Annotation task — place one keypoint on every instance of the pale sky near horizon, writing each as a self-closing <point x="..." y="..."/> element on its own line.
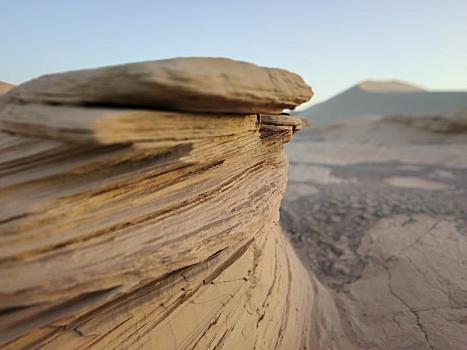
<point x="333" y="44"/>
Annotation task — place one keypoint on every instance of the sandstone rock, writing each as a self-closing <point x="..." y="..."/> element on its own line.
<point x="118" y="125"/>
<point x="188" y="84"/>
<point x="148" y="229"/>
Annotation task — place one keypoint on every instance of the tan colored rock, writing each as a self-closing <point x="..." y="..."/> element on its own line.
<point x="4" y="87"/>
<point x="160" y="232"/>
<point x="181" y="244"/>
<point x="282" y="120"/>
<point x="187" y="84"/>
<point x="117" y="125"/>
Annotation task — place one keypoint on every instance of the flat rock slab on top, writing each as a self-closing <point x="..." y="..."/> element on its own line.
<point x="187" y="84"/>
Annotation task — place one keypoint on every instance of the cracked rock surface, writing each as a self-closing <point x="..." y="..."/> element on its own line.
<point x="130" y="226"/>
<point x="380" y="218"/>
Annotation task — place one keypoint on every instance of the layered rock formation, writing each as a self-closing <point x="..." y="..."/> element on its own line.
<point x="127" y="223"/>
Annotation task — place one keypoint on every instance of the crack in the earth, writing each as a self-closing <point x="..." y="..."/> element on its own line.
<point x="414" y="312"/>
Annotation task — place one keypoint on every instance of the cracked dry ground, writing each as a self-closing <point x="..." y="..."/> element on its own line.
<point x="384" y="227"/>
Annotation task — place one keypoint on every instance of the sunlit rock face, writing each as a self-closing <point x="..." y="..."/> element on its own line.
<point x="140" y="208"/>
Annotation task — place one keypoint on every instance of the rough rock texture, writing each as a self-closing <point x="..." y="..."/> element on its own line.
<point x="159" y="233"/>
<point x="108" y="126"/>
<point x="188" y="84"/>
<point x="377" y="208"/>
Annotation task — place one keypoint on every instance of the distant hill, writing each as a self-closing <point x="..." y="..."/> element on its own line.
<point x="4" y="87"/>
<point x="383" y="98"/>
<point x="387" y="86"/>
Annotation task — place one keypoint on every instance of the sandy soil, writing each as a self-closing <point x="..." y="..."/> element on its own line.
<point x="377" y="209"/>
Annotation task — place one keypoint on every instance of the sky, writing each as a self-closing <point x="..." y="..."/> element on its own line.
<point x="332" y="44"/>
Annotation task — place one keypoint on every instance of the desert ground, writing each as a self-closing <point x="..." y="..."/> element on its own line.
<point x="377" y="209"/>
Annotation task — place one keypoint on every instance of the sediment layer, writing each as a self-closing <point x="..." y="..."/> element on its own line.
<point x="138" y="227"/>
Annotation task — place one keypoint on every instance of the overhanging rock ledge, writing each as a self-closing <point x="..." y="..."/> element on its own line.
<point x="140" y="208"/>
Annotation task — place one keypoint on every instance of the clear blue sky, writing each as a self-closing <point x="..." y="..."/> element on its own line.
<point x="332" y="43"/>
